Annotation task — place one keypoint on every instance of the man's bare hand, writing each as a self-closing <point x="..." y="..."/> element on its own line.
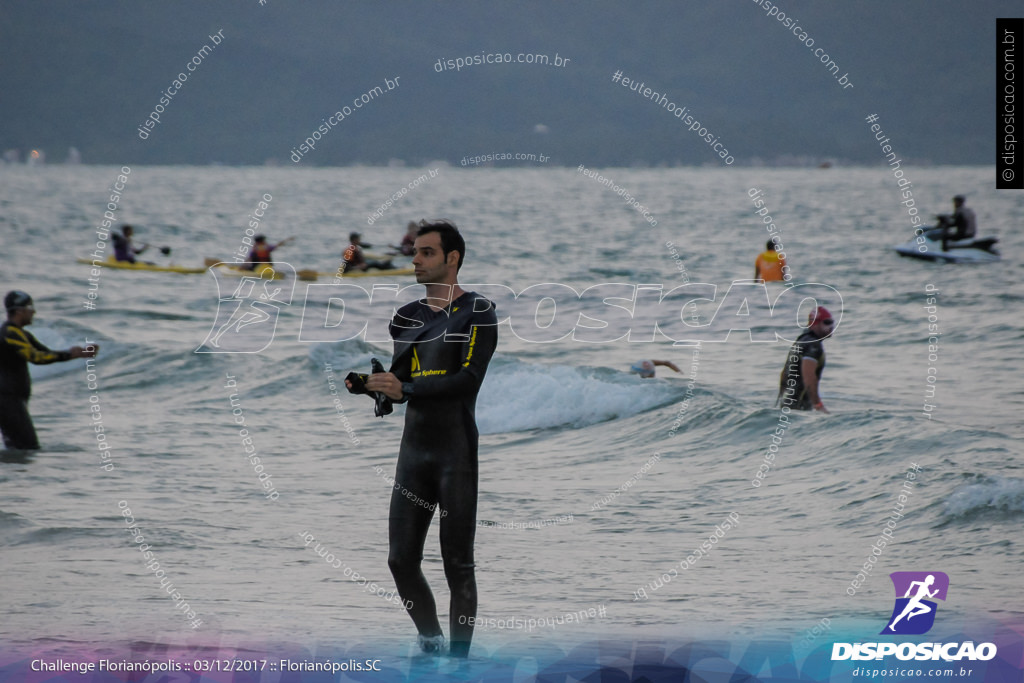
<point x="386" y="383"/>
<point x="88" y="352"/>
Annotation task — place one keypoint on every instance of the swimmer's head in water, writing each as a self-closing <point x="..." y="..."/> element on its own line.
<point x="644" y="368"/>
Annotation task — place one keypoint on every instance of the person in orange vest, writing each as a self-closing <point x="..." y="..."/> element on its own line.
<point x="260" y="252"/>
<point x="770" y="264"/>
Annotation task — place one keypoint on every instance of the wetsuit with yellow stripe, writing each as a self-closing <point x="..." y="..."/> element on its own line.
<point x="18" y="348"/>
<point x="440" y="358"/>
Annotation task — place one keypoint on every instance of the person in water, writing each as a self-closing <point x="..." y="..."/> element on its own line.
<point x="124" y="250"/>
<point x="959" y="225"/>
<point x="645" y="368"/>
<point x="409" y="239"/>
<point x="18" y="348"/>
<point x="443" y="344"/>
<point x="798" y="383"/>
<point x="770" y="265"/>
<point x="356" y="260"/>
<point x="261" y="250"/>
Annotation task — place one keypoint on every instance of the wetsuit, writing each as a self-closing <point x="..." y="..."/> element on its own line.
<point x="437" y="461"/>
<point x="792" y="392"/>
<point x="18" y="348"/>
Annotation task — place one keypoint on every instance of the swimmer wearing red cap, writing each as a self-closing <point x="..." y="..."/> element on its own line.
<point x="798" y="383"/>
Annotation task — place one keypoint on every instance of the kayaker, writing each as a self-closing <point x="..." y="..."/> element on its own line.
<point x="354" y="258"/>
<point x="124" y="250"/>
<point x="260" y="252"/>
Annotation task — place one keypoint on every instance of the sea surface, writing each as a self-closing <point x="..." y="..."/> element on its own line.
<point x="564" y="424"/>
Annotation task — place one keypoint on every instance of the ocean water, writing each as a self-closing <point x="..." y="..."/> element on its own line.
<point x="564" y="425"/>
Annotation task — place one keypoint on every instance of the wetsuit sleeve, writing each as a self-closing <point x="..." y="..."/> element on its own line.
<point x="475" y="355"/>
<point x="30" y="348"/>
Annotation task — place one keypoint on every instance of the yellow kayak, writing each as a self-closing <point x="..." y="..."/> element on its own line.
<point x="306" y="275"/>
<point x="264" y="270"/>
<point x="373" y="272"/>
<point x="111" y="262"/>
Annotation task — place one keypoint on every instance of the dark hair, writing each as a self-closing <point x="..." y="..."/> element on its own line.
<point x="771" y="246"/>
<point x="451" y="239"/>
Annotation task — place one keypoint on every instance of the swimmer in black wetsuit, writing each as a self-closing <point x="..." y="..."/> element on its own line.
<point x="18" y="348"/>
<point x="798" y="383"/>
<point x="442" y="347"/>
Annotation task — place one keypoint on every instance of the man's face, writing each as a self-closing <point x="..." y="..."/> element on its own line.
<point x="823" y="328"/>
<point x="428" y="259"/>
<point x="21" y="316"/>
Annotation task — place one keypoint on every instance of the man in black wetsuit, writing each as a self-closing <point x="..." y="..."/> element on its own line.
<point x="443" y="344"/>
<point x="18" y="348"/>
<point x="798" y="383"/>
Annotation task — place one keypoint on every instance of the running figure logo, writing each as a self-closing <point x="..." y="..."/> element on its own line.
<point x="914" y="613"/>
<point x="247" y="319"/>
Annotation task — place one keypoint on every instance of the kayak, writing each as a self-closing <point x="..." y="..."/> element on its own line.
<point x="372" y="272"/>
<point x="263" y="271"/>
<point x="138" y="265"/>
<point x="307" y="275"/>
<point x="971" y="250"/>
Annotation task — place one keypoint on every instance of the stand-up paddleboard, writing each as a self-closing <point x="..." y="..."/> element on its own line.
<point x="970" y="250"/>
<point x="138" y="265"/>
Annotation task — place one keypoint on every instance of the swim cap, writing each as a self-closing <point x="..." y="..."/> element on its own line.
<point x="644" y="368"/>
<point x="353" y="235"/>
<point x="17" y="299"/>
<point x="820" y="313"/>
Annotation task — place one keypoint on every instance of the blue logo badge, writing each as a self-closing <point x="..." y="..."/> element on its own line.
<point x="914" y="611"/>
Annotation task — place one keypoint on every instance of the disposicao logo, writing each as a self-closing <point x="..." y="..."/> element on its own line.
<point x="914" y="613"/>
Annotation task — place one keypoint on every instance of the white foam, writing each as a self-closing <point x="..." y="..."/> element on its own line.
<point x="1001" y="493"/>
<point x="519" y="396"/>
